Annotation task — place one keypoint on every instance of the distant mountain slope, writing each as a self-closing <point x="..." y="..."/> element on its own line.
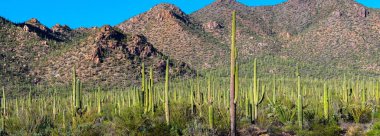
<point x="339" y="33"/>
<point x="32" y="53"/>
<point x="108" y="57"/>
<point x="173" y="32"/>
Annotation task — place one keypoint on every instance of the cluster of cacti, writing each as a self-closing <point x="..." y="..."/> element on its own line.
<point x="207" y="100"/>
<point x="78" y="108"/>
<point x="256" y="98"/>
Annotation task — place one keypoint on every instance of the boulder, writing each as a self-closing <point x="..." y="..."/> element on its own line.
<point x="363" y="12"/>
<point x="212" y="25"/>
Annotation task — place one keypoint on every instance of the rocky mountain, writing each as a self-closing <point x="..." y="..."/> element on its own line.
<point x="111" y="57"/>
<point x="174" y="33"/>
<point x="33" y="53"/>
<point x="339" y="33"/>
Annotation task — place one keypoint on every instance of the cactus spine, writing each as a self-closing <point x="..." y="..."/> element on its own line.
<point x="232" y="78"/>
<point x="167" y="111"/>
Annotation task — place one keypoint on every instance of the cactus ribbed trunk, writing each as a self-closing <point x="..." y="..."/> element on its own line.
<point x="74" y="84"/>
<point x="4" y="106"/>
<point x="167" y="111"/>
<point x="210" y="106"/>
<point x="299" y="100"/>
<point x="256" y="99"/>
<point x="232" y="78"/>
<point x="142" y="95"/>
<point x="98" y="97"/>
<point x="325" y="102"/>
<point x="151" y="90"/>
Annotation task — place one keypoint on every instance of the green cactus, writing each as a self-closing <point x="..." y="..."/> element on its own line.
<point x="3" y="106"/>
<point x="210" y="104"/>
<point x="74" y="84"/>
<point x="77" y="107"/>
<point x="325" y="102"/>
<point x="299" y="100"/>
<point x="192" y="99"/>
<point x="30" y="98"/>
<point x="54" y="104"/>
<point x="363" y="97"/>
<point x="142" y="95"/>
<point x="256" y="99"/>
<point x="98" y="98"/>
<point x="274" y="91"/>
<point x="232" y="78"/>
<point x="151" y="90"/>
<point x="167" y="111"/>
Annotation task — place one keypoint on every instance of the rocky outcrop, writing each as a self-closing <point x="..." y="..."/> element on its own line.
<point x="35" y="23"/>
<point x="363" y="12"/>
<point x="212" y="25"/>
<point x="61" y="29"/>
<point x="107" y="39"/>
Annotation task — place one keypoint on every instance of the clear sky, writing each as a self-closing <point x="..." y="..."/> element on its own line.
<point x="87" y="13"/>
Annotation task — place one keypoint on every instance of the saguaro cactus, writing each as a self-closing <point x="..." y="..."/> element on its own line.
<point x="77" y="98"/>
<point x="232" y="78"/>
<point x="98" y="97"/>
<point x="299" y="100"/>
<point x="210" y="104"/>
<point x="143" y="88"/>
<point x="256" y="99"/>
<point x="325" y="102"/>
<point x="363" y="97"/>
<point x="151" y="90"/>
<point x="167" y="111"/>
<point x="3" y="105"/>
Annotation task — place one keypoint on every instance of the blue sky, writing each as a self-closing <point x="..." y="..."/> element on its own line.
<point x="87" y="13"/>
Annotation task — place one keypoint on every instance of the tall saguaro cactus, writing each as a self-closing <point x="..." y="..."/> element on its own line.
<point x="143" y="88"/>
<point x="299" y="100"/>
<point x="3" y="105"/>
<point x="325" y="102"/>
<point x="256" y="99"/>
<point x="77" y="106"/>
<point x="167" y="111"/>
<point x="232" y="78"/>
<point x="210" y="106"/>
<point x="151" y="90"/>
